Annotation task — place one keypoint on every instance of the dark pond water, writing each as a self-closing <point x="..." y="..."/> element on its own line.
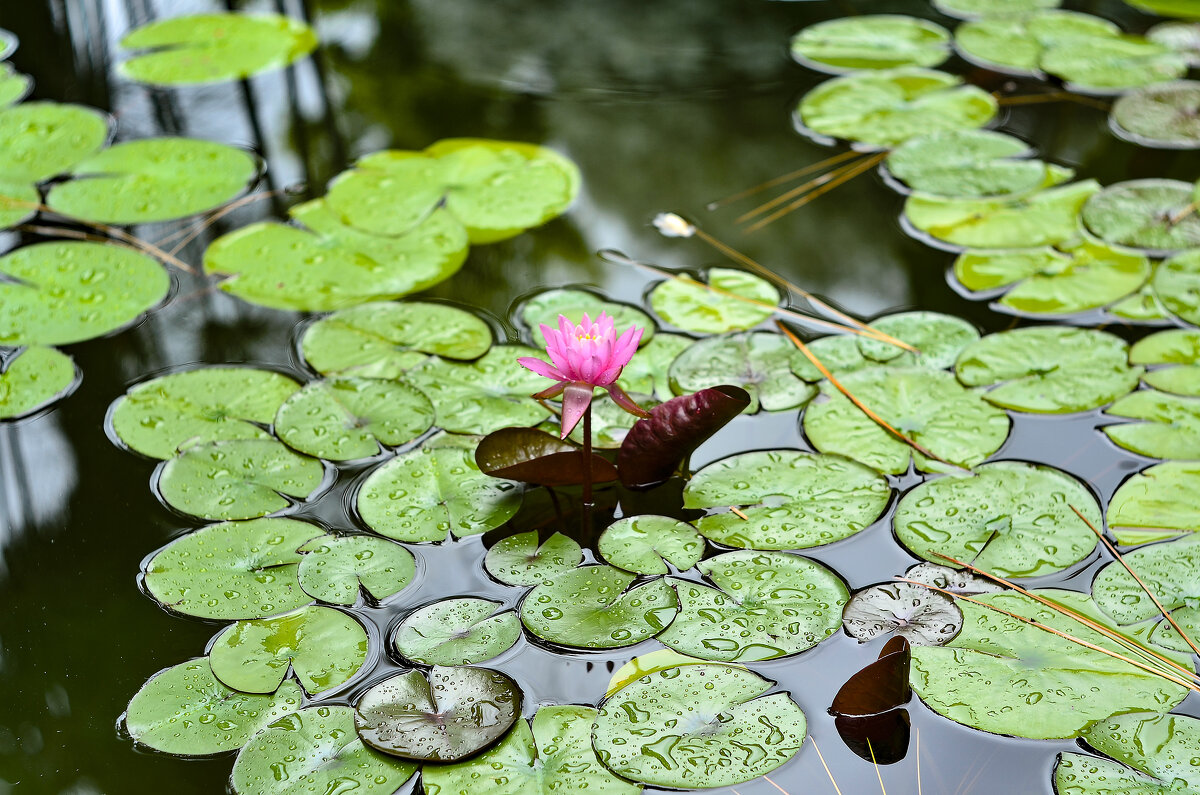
<point x="664" y="106"/>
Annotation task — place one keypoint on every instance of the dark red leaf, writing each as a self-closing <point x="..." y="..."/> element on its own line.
<point x="881" y="686"/>
<point x="533" y="456"/>
<point x="882" y="739"/>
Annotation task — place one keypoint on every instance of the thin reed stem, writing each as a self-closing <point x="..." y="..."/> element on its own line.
<point x="783" y="178"/>
<point x="1054" y="96"/>
<point x="859" y="167"/>
<point x="828" y="772"/>
<point x="800" y="190"/>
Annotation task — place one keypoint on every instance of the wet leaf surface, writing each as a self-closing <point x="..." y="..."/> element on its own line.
<point x="971" y="164"/>
<point x="646" y="373"/>
<point x="1154" y="754"/>
<point x="520" y="560"/>
<point x="1173" y="360"/>
<point x="337" y="569"/>
<point x="33" y="379"/>
<point x="645" y="544"/>
<point x="974" y="9"/>
<point x="688" y="306"/>
<point x="1176" y="283"/>
<point x="462" y="631"/>
<point x="39" y="140"/>
<point x="920" y="616"/>
<point x="1141" y="213"/>
<point x="1169" y="425"/>
<point x="1158" y="503"/>
<point x="759" y="362"/>
<point x="872" y="41"/>
<point x="533" y="456"/>
<point x="18" y="202"/>
<point x="484" y="396"/>
<point x="1016" y="44"/>
<point x="1171" y="571"/>
<point x="1164" y="115"/>
<point x="547" y="306"/>
<point x="14" y="86"/>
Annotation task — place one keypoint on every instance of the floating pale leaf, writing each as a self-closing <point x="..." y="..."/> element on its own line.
<point x="971" y="164"/>
<point x="1158" y="503"/>
<point x="519" y="560"/>
<point x="184" y="710"/>
<point x="1171" y="571"/>
<point x="1016" y="44"/>
<point x="688" y="306"/>
<point x="462" y="631"/>
<point x="645" y="544"/>
<point x="1179" y="351"/>
<point x="323" y="647"/>
<point x="954" y="580"/>
<point x="872" y="41"/>
<point x="1181" y="37"/>
<point x="14" y="86"/>
<point x="546" y="307"/>
<point x="790" y="499"/>
<point x="917" y="614"/>
<point x="1165" y="116"/>
<point x="33" y="379"/>
<point x="759" y="362"/>
<point x="1151" y="214"/>
<point x="1170" y="427"/>
<point x="1111" y="65"/>
<point x="8" y="43"/>
<point x="485" y="395"/>
<point x="1176" y="283"/>
<point x="1160" y="751"/>
<point x="337" y="569"/>
<point x="974" y="9"/>
<point x="766" y="605"/>
<point x="938" y="339"/>
<point x="39" y="140"/>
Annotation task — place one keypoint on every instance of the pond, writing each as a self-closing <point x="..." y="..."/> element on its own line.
<point x="625" y="111"/>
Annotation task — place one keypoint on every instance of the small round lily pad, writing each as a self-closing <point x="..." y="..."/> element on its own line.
<point x="645" y="544"/>
<point x="1162" y="115"/>
<point x="919" y="615"/>
<point x="39" y="140"/>
<point x="971" y="164"/>
<point x="461" y="631"/>
<point x="1159" y="503"/>
<point x="34" y="378"/>
<point x="759" y="362"/>
<point x="1169" y="427"/>
<point x="520" y="560"/>
<point x="1151" y="214"/>
<point x="338" y="569"/>
<point x="871" y="41"/>
<point x="686" y="305"/>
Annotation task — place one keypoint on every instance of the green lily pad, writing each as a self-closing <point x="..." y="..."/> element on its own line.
<point x="157" y="179"/>
<point x="1143" y="306"/>
<point x="212" y="48"/>
<point x="1008" y="518"/>
<point x="1158" y="503"/>
<point x="928" y="406"/>
<point x="8" y="43"/>
<point x="686" y="305"/>
<point x="1006" y="676"/>
<point x="1180" y="37"/>
<point x="1049" y="369"/>
<point x="1170" y="427"/>
<point x="1174" y="359"/>
<point x="919" y="615"/>
<point x="39" y="140"/>
<point x="520" y="560"/>
<point x="872" y="41"/>
<point x="208" y="404"/>
<point x="495" y="189"/>
<point x="670" y="727"/>
<point x="342" y="419"/>
<point x="443" y="716"/>
<point x="1111" y="65"/>
<point x="337" y="569"/>
<point x="1171" y="570"/>
<point x="1186" y="9"/>
<point x="457" y="632"/>
<point x="383" y="340"/>
<point x="232" y="570"/>
<point x="974" y="9"/>
<point x="938" y="339"/>
<point x="759" y="361"/>
<point x="1153" y="745"/>
<point x="1150" y="214"/>
<point x="238" y="479"/>
<point x="610" y="423"/>
<point x="886" y="108"/>
<point x="315" y="752"/>
<point x="1016" y="44"/>
<point x="547" y="306"/>
<point x="1176" y="283"/>
<point x="18" y="202"/>
<point x="971" y="164"/>
<point x="33" y="379"/>
<point x="646" y="544"/>
<point x="765" y="605"/>
<point x="791" y="499"/>
<point x="556" y="756"/>
<point x="1045" y="218"/>
<point x="184" y="710"/>
<point x="594" y="607"/>
<point x="1163" y="116"/>
<point x="432" y="492"/>
<point x="63" y="292"/>
<point x="14" y="86"/>
<point x="646" y="372"/>
<point x="486" y="395"/>
<point x="323" y="647"/>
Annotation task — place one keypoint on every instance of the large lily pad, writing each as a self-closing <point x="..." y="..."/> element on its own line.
<point x="338" y="569"/>
<point x="238" y="479"/>
<point x="759" y="362"/>
<point x="765" y="605"/>
<point x="886" y="108"/>
<point x="1150" y="214"/>
<point x="67" y="291"/>
<point x="462" y="631"/>
<point x="1174" y="360"/>
<point x="443" y="716"/>
<point x="938" y="339"/>
<point x="208" y="404"/>
<point x="495" y="189"/>
<point x="1164" y="115"/>
<point x="646" y="372"/>
<point x="971" y="164"/>
<point x="1045" y="218"/>
<point x="594" y="607"/>
<point x="1176" y="283"/>
<point x="1006" y="676"/>
<point x="486" y="395"/>
<point x="556" y="756"/>
<point x="1016" y="43"/>
<point x="383" y="340"/>
<point x="1158" y="503"/>
<point x="184" y="710"/>
<point x="315" y="752"/>
<point x="33" y="379"/>
<point x="1049" y="369"/>
<point x="545" y="308"/>
<point x="872" y="41"/>
<point x="1169" y="427"/>
<point x="342" y="419"/>
<point x="790" y="499"/>
<point x="324" y="648"/>
<point x="433" y="492"/>
<point x="210" y="48"/>
<point x="1171" y="571"/>
<point x="646" y="544"/>
<point x="156" y="179"/>
<point x="927" y="406"/>
<point x="1111" y="65"/>
<point x="1008" y="518"/>
<point x="39" y="140"/>
<point x="520" y="560"/>
<point x="921" y="616"/>
<point x="1159" y="750"/>
<point x="700" y="726"/>
<point x="233" y="570"/>
<point x="686" y="305"/>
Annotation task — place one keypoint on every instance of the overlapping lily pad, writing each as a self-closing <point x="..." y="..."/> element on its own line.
<point x="1170" y="571"/>
<point x="210" y="48"/>
<point x="14" y="86"/>
<point x="667" y="728"/>
<point x="1169" y="427"/>
<point x="646" y="373"/>
<point x="68" y="291"/>
<point x="338" y="569"/>
<point x="238" y="479"/>
<point x="520" y="560"/>
<point x="1111" y="65"/>
<point x="34" y="378"/>
<point x="315" y="752"/>
<point x="645" y="544"/>
<point x="547" y="306"/>
<point x="972" y="164"/>
<point x="873" y="41"/>
<point x="461" y="631"/>
<point x="1176" y="283"/>
<point x="1049" y="369"/>
<point x="324" y="648"/>
<point x="1155" y="754"/>
<point x="1158" y="503"/>
<point x="184" y="710"/>
<point x="688" y="306"/>
<point x="886" y="108"/>
<point x="937" y="338"/>
<point x="928" y="406"/>
<point x="490" y="393"/>
<point x="595" y="607"/>
<point x="1163" y="115"/>
<point x="790" y="499"/>
<point x="922" y="616"/>
<point x="1151" y="214"/>
<point x="1173" y="358"/>
<point x="1008" y="518"/>
<point x="766" y="605"/>
<point x="434" y="492"/>
<point x="158" y="417"/>
<point x="1006" y="676"/>
<point x="39" y="140"/>
<point x="759" y="362"/>
<point x="1016" y="43"/>
<point x="19" y="201"/>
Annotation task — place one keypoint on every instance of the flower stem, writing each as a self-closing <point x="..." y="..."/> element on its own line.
<point x="588" y="502"/>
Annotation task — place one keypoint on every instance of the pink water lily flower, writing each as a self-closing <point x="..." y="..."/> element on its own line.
<point x="585" y="356"/>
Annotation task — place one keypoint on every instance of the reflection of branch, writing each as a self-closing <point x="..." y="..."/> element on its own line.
<point x="1054" y="96"/>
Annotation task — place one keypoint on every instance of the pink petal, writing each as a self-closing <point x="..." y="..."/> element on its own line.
<point x="626" y="346"/>
<point x="551" y="392"/>
<point x="542" y="368"/>
<point x="576" y="400"/>
<point x="623" y="400"/>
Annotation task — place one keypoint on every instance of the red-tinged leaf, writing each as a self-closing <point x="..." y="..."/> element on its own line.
<point x="654" y="447"/>
<point x="881" y="686"/>
<point x="533" y="456"/>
